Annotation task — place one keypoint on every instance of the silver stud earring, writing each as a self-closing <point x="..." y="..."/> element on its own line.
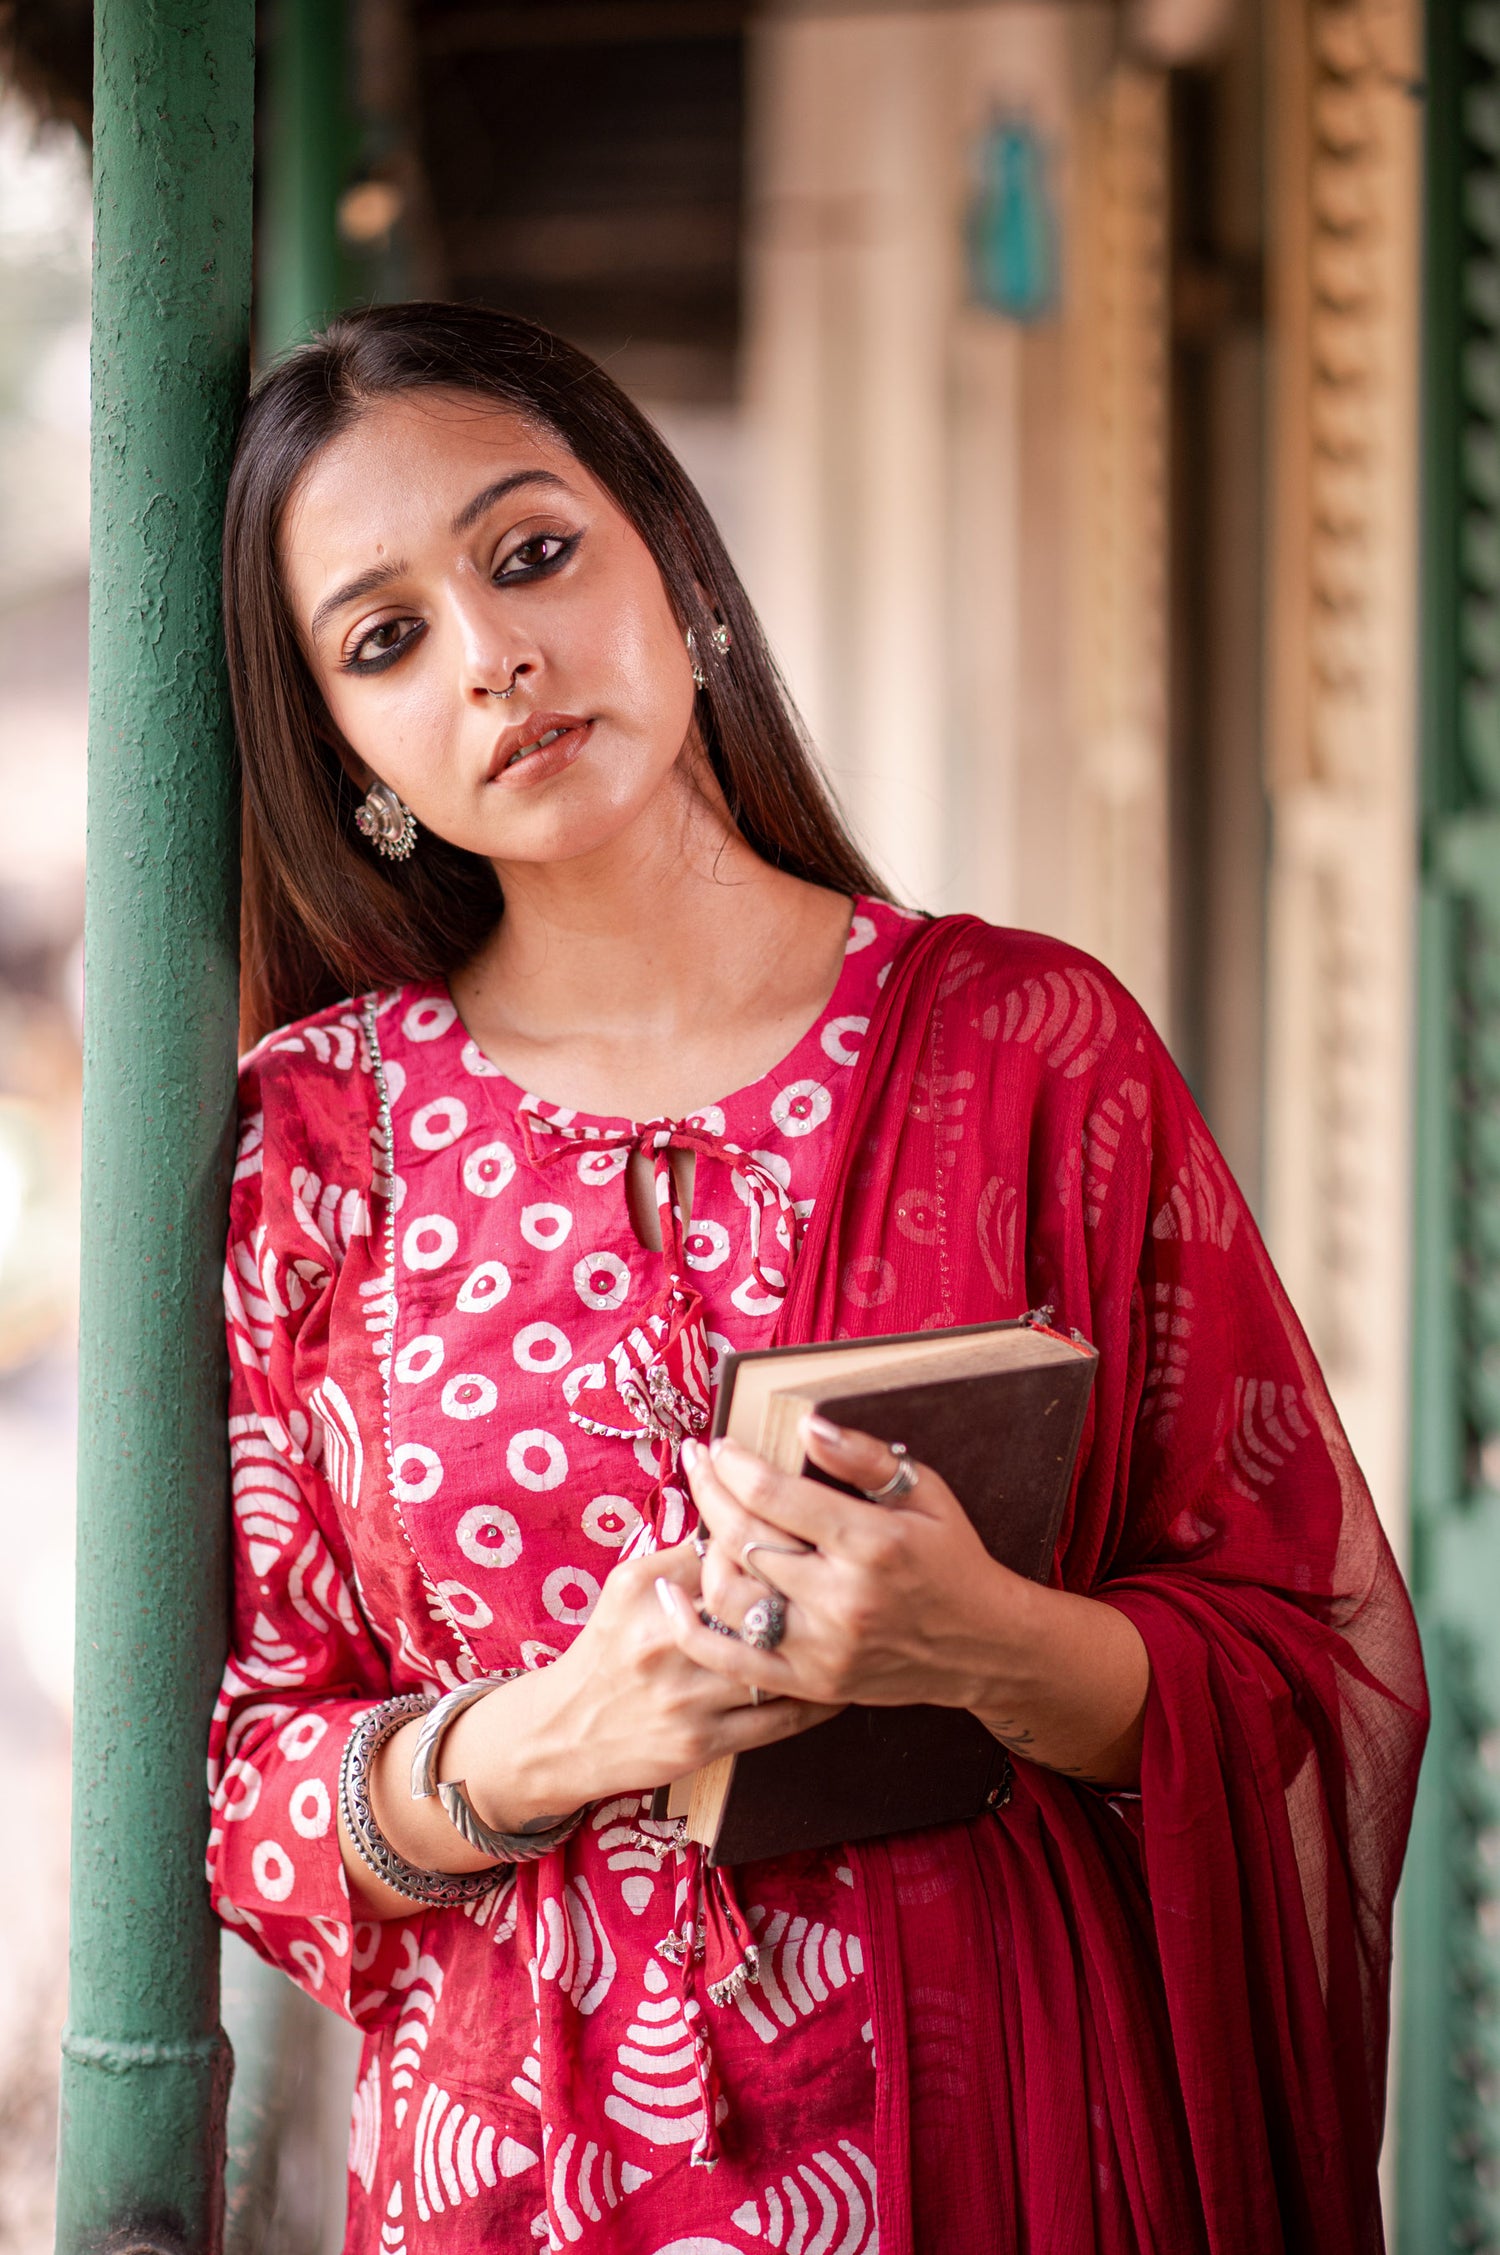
<point x="390" y="826"/>
<point x="720" y="641"/>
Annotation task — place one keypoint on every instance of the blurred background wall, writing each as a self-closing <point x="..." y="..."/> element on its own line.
<point x="1052" y="367"/>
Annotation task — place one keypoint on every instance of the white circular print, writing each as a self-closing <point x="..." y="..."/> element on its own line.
<point x="584" y="1377"/>
<point x="488" y="1536"/>
<point x="520" y="1460"/>
<point x="490" y="1169"/>
<point x="841" y="1038"/>
<point x="416" y="1472"/>
<point x="474" y="1060"/>
<point x="545" y="1225"/>
<point x="430" y="1240"/>
<point x="466" y="1605"/>
<point x="395" y="1080"/>
<point x="299" y="1738"/>
<point x="484" y="1287"/>
<point x="706" y="1244"/>
<point x="426" y="1021"/>
<point x="601" y="1280"/>
<point x="275" y="1873"/>
<point x="469" y="1395"/>
<point x="310" y="1958"/>
<point x="310" y="1809"/>
<point x="861" y="932"/>
<point x="239" y="1790"/>
<point x="541" y="1346"/>
<point x="420" y="1358"/>
<point x="611" y="1521"/>
<point x="775" y="1163"/>
<point x="535" y="1654"/>
<point x="598" y="1167"/>
<point x="570" y="1595"/>
<point x="800" y="1107"/>
<point x="710" y="1119"/>
<point x="438" y="1124"/>
<point x="335" y="1935"/>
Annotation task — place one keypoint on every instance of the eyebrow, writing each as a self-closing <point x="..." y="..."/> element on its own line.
<point x="475" y="509"/>
<point x="379" y="575"/>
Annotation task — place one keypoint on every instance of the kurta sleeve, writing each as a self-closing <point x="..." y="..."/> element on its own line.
<point x="303" y="1663"/>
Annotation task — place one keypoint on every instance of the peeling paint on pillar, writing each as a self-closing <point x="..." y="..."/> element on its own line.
<point x="145" y="2065"/>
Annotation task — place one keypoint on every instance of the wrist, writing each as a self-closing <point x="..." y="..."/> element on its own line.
<point x="1010" y="1640"/>
<point x="514" y="1758"/>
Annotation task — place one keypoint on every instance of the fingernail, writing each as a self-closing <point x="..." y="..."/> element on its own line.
<point x="690" y="1455"/>
<point x="664" y="1597"/>
<point x="832" y="1436"/>
<point x="717" y="1448"/>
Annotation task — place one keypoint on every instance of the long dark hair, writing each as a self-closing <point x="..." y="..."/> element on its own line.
<point x="323" y="917"/>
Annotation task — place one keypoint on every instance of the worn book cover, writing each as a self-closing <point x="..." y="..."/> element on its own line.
<point x="997" y="1411"/>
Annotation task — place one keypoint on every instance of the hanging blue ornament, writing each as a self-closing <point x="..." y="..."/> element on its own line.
<point x="1011" y="229"/>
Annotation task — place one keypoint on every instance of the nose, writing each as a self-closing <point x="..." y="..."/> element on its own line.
<point x="493" y="658"/>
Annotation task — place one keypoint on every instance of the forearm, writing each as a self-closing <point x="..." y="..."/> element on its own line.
<point x="1068" y="1688"/>
<point x="418" y="1830"/>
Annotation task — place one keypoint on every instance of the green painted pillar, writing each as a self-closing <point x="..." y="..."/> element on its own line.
<point x="144" y="2063"/>
<point x="1448" y="2154"/>
<point x="307" y="141"/>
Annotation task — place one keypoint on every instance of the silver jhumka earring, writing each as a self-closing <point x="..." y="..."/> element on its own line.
<point x="390" y="826"/>
<point x="720" y="641"/>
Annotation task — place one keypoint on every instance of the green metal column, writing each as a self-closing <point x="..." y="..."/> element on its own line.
<point x="1449" y="2147"/>
<point x="307" y="141"/>
<point x="144" y="2063"/>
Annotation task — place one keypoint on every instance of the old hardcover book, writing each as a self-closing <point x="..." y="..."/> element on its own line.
<point x="997" y="1409"/>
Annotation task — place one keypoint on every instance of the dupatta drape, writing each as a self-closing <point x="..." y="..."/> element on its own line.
<point x="1120" y="2025"/>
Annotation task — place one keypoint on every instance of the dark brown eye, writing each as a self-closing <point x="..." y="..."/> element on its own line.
<point x="535" y="557"/>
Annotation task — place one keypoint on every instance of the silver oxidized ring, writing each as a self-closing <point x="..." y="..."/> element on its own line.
<point x="764" y="1625"/>
<point x="781" y="1549"/>
<point x="902" y="1480"/>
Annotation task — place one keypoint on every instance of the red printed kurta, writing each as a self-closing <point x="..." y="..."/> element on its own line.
<point x="1082" y="2026"/>
<point x="443" y="1437"/>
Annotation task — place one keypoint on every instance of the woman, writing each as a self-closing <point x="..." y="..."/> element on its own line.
<point x="641" y="1066"/>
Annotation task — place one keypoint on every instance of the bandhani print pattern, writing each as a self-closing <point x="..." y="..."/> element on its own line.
<point x="461" y="1387"/>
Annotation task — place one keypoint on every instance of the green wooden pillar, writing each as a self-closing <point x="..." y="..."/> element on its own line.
<point x="307" y="138"/>
<point x="144" y="2063"/>
<point x="1449" y="2149"/>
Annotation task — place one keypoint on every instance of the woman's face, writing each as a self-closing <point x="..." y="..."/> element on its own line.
<point x="443" y="548"/>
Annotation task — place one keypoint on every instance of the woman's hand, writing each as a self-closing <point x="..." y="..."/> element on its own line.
<point x="625" y="1709"/>
<point x="891" y="1604"/>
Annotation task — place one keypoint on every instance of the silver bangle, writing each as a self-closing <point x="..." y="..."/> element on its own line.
<point x="526" y="1846"/>
<point x="443" y="1889"/>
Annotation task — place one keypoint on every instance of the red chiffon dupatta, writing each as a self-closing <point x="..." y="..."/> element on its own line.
<point x="1118" y="2024"/>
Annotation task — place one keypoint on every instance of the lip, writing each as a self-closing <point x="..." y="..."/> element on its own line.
<point x="569" y="735"/>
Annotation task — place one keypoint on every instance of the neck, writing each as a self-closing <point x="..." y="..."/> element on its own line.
<point x="643" y="942"/>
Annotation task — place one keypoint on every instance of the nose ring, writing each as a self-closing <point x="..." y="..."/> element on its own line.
<point x="510" y="692"/>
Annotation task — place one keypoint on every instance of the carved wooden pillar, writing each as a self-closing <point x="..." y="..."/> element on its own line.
<point x="1118" y="861"/>
<point x="1342" y="753"/>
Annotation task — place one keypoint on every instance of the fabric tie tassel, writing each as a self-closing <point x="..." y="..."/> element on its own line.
<point x="712" y="1947"/>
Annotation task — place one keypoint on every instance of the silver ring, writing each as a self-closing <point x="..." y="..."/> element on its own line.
<point x="764" y="1625"/>
<point x="901" y="1481"/>
<point x="782" y="1550"/>
<point x="510" y="692"/>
